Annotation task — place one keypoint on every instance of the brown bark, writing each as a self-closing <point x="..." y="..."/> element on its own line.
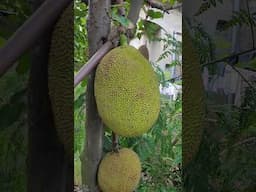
<point x="98" y="30"/>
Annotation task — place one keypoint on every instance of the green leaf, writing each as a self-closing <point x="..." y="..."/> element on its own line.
<point x="151" y="29"/>
<point x="79" y="101"/>
<point x="123" y="40"/>
<point x="155" y="14"/>
<point x="120" y="19"/>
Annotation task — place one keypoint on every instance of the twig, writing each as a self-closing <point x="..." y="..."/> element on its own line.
<point x="251" y="25"/>
<point x="225" y="59"/>
<point x="6" y="12"/>
<point x="163" y="7"/>
<point x="121" y="9"/>
<point x="238" y="144"/>
<point x="92" y="63"/>
<point x="27" y="35"/>
<point x="242" y="76"/>
<point x="115" y="146"/>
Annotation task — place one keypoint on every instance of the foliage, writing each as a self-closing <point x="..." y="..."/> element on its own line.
<point x="80" y="58"/>
<point x="206" y="5"/>
<point x="13" y="104"/>
<point x="80" y="35"/>
<point x="230" y="141"/>
<point x="160" y="148"/>
<point x="13" y="132"/>
<point x="204" y="44"/>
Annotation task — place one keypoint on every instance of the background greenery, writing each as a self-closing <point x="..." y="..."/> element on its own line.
<point x="160" y="148"/>
<point x="13" y="104"/>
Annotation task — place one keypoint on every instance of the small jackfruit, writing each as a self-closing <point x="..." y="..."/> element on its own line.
<point x="192" y="100"/>
<point x="119" y="171"/>
<point x="126" y="91"/>
<point x="60" y="78"/>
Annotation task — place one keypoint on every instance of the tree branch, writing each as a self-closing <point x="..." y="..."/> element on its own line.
<point x="162" y="6"/>
<point x="251" y="24"/>
<point x="92" y="63"/>
<point x="134" y="11"/>
<point x="243" y="77"/>
<point x="225" y="59"/>
<point x="115" y="146"/>
<point x="133" y="16"/>
<point x="27" y="35"/>
<point x="121" y="10"/>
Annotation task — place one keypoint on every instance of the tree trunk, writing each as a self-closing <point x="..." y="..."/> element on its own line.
<point x="98" y="30"/>
<point x="48" y="167"/>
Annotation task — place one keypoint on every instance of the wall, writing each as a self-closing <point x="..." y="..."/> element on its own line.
<point x="171" y="23"/>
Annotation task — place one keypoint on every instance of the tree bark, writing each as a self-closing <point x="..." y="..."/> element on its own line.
<point x="98" y="31"/>
<point x="49" y="170"/>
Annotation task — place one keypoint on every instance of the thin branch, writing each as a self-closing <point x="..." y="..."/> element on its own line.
<point x="225" y="59"/>
<point x="121" y="9"/>
<point x="115" y="145"/>
<point x="6" y="12"/>
<point x="247" y="140"/>
<point x="92" y="63"/>
<point x="251" y="24"/>
<point x="162" y="6"/>
<point x="27" y="35"/>
<point x="243" y="77"/>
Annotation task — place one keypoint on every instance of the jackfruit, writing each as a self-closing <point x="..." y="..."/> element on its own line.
<point x="192" y="100"/>
<point x="60" y="78"/>
<point x="126" y="92"/>
<point x="119" y="171"/>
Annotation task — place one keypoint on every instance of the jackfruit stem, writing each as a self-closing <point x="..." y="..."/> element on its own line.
<point x="123" y="40"/>
<point x="115" y="145"/>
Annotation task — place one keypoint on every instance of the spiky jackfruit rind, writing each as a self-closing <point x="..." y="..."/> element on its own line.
<point x="192" y="101"/>
<point x="127" y="92"/>
<point x="119" y="171"/>
<point x="60" y="78"/>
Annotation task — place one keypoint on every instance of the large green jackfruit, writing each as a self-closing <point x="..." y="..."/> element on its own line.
<point x="60" y="78"/>
<point x="119" y="171"/>
<point x="126" y="92"/>
<point x="192" y="100"/>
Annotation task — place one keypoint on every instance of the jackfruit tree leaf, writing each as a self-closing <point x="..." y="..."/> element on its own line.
<point x="154" y="14"/>
<point x="79" y="101"/>
<point x="120" y="19"/>
<point x="151" y="29"/>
